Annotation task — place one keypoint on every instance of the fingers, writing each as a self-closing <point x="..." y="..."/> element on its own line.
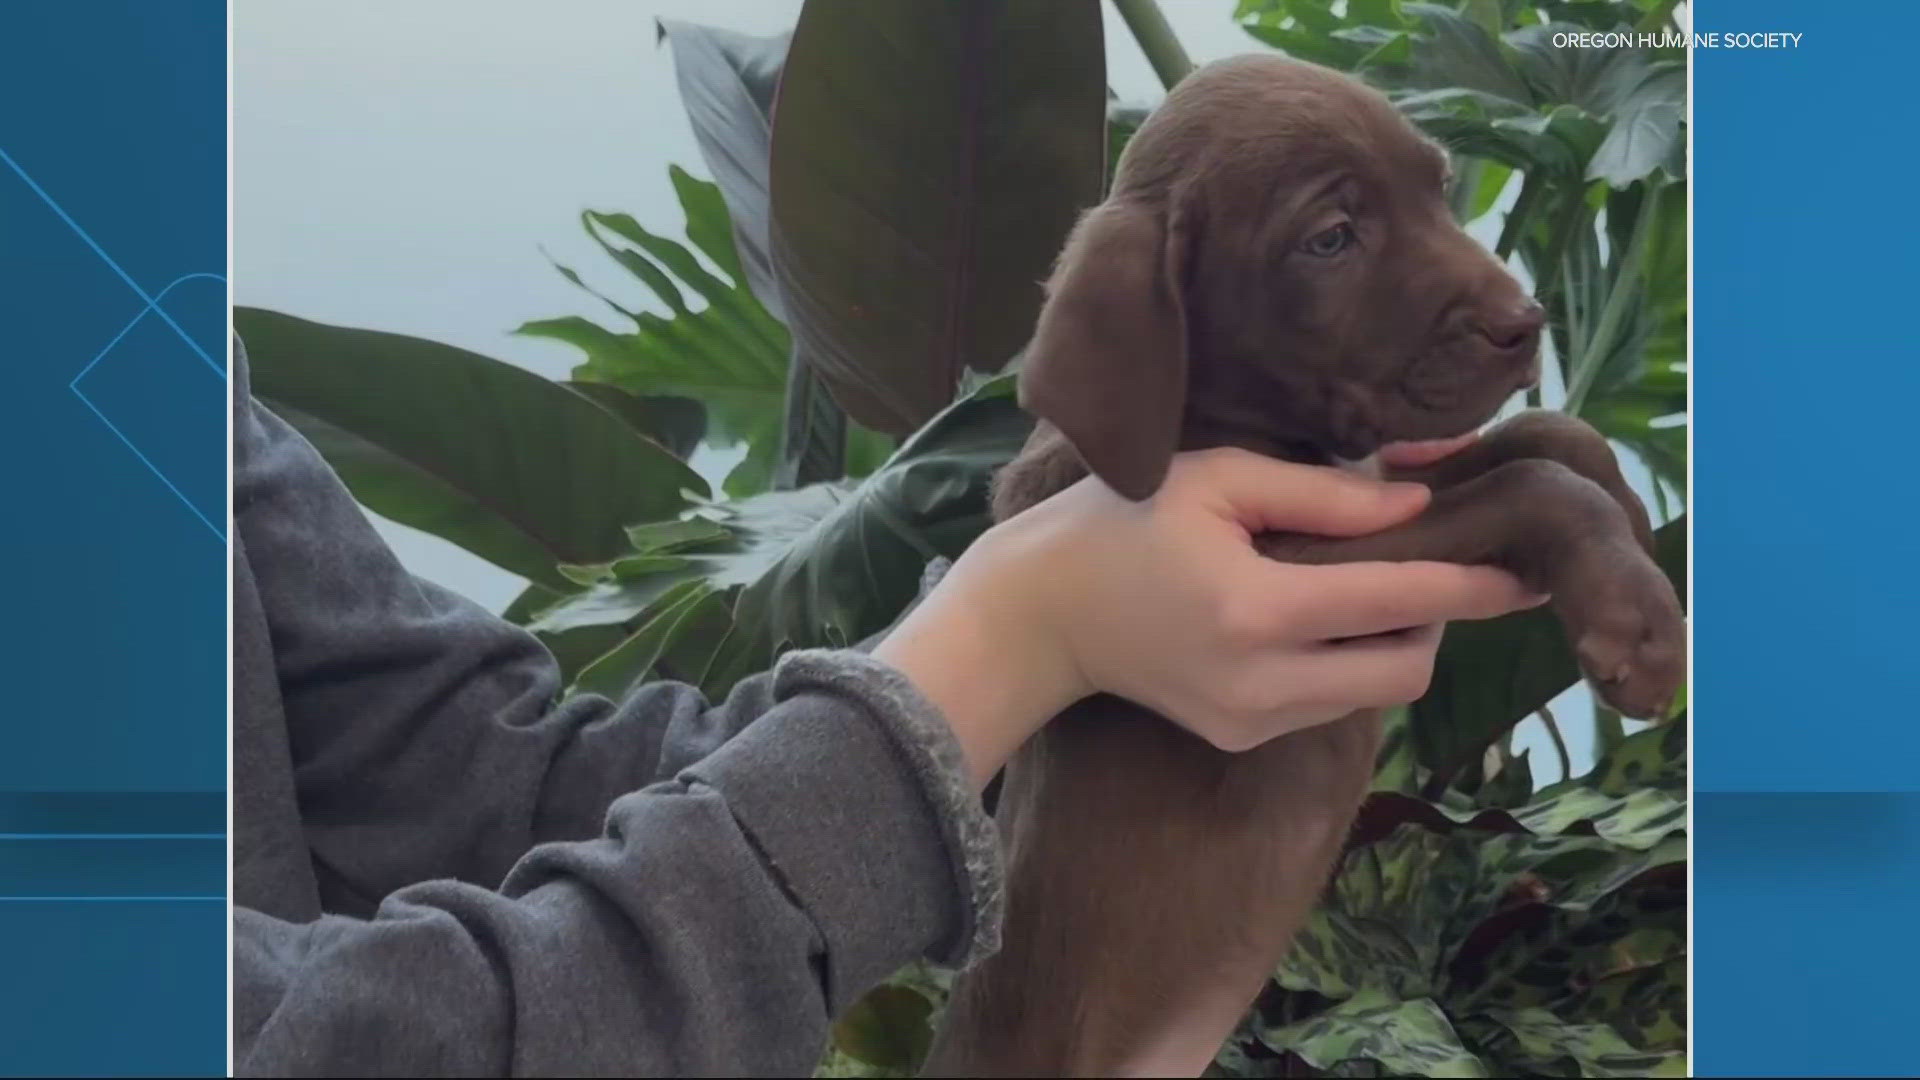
<point x="1345" y="600"/>
<point x="1292" y="691"/>
<point x="1373" y="673"/>
<point x="1266" y="495"/>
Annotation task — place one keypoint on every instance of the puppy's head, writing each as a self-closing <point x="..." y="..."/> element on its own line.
<point x="1277" y="268"/>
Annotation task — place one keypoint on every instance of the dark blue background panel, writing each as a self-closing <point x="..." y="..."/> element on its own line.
<point x="112" y="468"/>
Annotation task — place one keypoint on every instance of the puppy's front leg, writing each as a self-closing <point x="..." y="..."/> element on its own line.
<point x="1541" y="433"/>
<point x="1560" y="533"/>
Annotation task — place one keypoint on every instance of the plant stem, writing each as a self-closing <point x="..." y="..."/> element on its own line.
<point x="1559" y="742"/>
<point x="1608" y="731"/>
<point x="1572" y="216"/>
<point x="1516" y="223"/>
<point x="1626" y="281"/>
<point x="1156" y="38"/>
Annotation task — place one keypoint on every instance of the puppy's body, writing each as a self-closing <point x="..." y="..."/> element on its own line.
<point x="1275" y="269"/>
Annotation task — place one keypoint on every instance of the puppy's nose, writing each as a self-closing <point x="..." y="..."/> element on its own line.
<point x="1511" y="327"/>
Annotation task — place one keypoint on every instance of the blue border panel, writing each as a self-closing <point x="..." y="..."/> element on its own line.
<point x="112" y="464"/>
<point x="1807" y="812"/>
<point x="1806" y="397"/>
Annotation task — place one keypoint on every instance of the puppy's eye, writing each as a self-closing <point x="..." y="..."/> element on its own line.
<point x="1331" y="242"/>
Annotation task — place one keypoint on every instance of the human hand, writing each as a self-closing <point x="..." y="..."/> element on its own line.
<point x="1167" y="603"/>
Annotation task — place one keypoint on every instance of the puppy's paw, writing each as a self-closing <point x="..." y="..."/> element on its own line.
<point x="1628" y="632"/>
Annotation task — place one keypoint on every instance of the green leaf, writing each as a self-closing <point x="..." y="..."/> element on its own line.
<point x="676" y="423"/>
<point x="1645" y="129"/>
<point x="1456" y="51"/>
<point x="1565" y="922"/>
<point x="707" y="221"/>
<point x="731" y="354"/>
<point x="1510" y="786"/>
<point x="609" y="603"/>
<point x="1487" y="13"/>
<point x="662" y="537"/>
<point x="1406" y="1038"/>
<point x="517" y="469"/>
<point x="1490" y="675"/>
<point x="888" y="1028"/>
<point x="1401" y="905"/>
<point x="1397" y="768"/>
<point x="1645" y="1003"/>
<point x="573" y="650"/>
<point x="615" y="671"/>
<point x="1596" y="80"/>
<point x="1536" y="1042"/>
<point x="1593" y="14"/>
<point x="929" y="160"/>
<point x="830" y="564"/>
<point x="813" y="433"/>
<point x="1490" y="180"/>
<point x="727" y="83"/>
<point x="1382" y="924"/>
<point x="1651" y="758"/>
<point x="1375" y="13"/>
<point x="1637" y="819"/>
<point x="867" y="450"/>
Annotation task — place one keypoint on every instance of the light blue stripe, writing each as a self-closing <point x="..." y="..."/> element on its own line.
<point x="108" y="259"/>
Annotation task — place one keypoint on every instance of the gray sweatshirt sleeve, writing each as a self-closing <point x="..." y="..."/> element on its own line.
<point x="548" y="886"/>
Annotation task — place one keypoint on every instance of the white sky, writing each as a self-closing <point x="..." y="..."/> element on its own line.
<point x="399" y="166"/>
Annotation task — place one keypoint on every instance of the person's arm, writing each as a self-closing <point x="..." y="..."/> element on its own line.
<point x="718" y="920"/>
<point x="428" y="737"/>
<point x="713" y="930"/>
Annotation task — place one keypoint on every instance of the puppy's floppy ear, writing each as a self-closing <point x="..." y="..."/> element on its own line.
<point x="1108" y="361"/>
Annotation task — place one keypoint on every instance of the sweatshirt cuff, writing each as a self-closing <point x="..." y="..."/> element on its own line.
<point x="873" y="826"/>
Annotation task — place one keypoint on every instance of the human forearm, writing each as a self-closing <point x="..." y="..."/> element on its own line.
<point x="723" y="917"/>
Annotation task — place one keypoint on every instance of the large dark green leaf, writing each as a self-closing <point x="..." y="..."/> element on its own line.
<point x="1491" y="675"/>
<point x="929" y="159"/>
<point x="515" y="468"/>
<point x="677" y="423"/>
<point x="727" y="83"/>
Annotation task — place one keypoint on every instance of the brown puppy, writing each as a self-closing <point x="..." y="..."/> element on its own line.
<point x="1276" y="268"/>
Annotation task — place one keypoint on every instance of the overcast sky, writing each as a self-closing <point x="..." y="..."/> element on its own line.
<point x="400" y="166"/>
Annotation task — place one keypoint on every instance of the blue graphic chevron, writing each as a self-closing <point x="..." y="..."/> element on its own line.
<point x="152" y="307"/>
